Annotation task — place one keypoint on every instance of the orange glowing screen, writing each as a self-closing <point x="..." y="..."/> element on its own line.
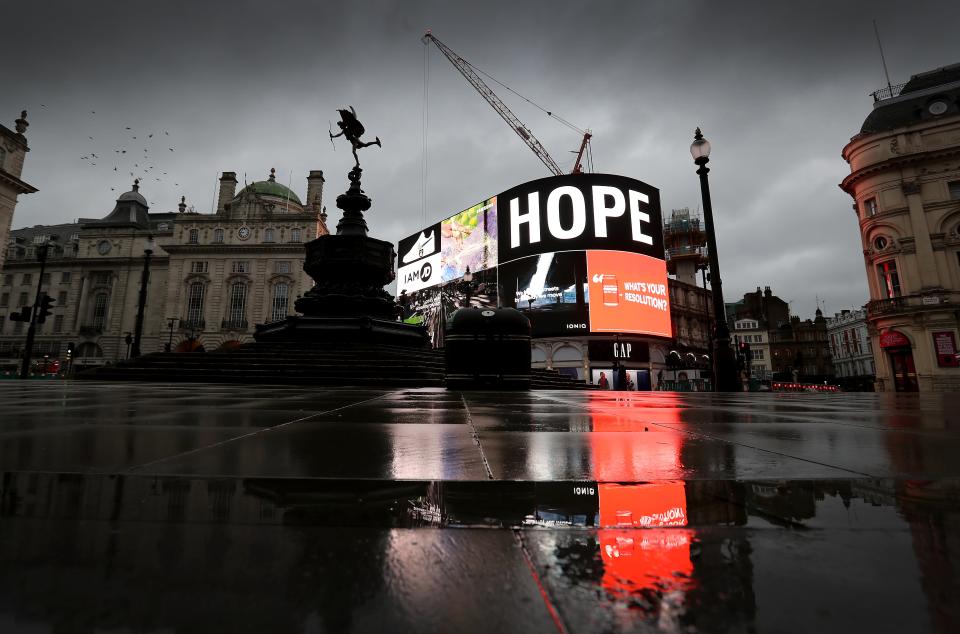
<point x="628" y="293"/>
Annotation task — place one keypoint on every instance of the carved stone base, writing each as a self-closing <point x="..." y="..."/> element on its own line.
<point x="350" y="272"/>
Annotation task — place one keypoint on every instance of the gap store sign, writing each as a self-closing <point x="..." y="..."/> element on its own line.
<point x="578" y="254"/>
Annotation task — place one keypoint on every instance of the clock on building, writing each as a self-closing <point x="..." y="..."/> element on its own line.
<point x="937" y="107"/>
<point x="243" y="233"/>
<point x="103" y="247"/>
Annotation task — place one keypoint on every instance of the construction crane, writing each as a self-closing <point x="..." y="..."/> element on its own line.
<point x="467" y="70"/>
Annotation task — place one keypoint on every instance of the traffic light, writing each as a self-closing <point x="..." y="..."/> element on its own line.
<point x="23" y="315"/>
<point x="46" y="308"/>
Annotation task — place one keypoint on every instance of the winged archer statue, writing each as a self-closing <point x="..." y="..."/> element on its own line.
<point x="352" y="130"/>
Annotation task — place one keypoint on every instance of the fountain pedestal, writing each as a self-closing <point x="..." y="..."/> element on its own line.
<point x="348" y="301"/>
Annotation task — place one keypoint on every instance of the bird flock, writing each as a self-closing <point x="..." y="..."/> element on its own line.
<point x="142" y="154"/>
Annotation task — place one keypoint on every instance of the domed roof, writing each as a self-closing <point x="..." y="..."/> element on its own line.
<point x="271" y="187"/>
<point x="915" y="102"/>
<point x="134" y="194"/>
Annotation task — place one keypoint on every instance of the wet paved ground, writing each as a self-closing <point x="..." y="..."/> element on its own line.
<point x="189" y="508"/>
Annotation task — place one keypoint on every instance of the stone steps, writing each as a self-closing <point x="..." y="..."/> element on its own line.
<point x="363" y="365"/>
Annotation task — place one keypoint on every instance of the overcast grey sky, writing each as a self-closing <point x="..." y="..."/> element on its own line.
<point x="246" y="86"/>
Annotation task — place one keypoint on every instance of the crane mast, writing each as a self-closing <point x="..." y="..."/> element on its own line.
<point x="485" y="91"/>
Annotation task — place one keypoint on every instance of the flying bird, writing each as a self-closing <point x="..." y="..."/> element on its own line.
<point x="91" y="138"/>
<point x="127" y="128"/>
<point x="167" y="133"/>
<point x="149" y="136"/>
<point x="171" y="149"/>
<point x="93" y="112"/>
<point x="114" y="169"/>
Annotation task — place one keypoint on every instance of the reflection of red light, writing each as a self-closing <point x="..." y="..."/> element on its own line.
<point x="634" y="560"/>
<point x="640" y="438"/>
<point x="643" y="505"/>
<point x="633" y="442"/>
<point x="644" y="557"/>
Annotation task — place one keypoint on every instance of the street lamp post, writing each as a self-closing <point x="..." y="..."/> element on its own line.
<point x="42" y="252"/>
<point x="141" y="304"/>
<point x="724" y="365"/>
<point x="171" y="321"/>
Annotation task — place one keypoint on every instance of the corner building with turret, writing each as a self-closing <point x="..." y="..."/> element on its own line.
<point x="905" y="183"/>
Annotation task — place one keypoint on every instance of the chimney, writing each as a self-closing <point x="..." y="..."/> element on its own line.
<point x="767" y="292"/>
<point x="228" y="189"/>
<point x="314" y="202"/>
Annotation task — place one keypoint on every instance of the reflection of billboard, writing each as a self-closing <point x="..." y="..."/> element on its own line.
<point x="469" y="239"/>
<point x="628" y="293"/>
<point x="578" y="254"/>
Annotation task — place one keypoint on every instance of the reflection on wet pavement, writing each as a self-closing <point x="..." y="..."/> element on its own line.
<point x="221" y="508"/>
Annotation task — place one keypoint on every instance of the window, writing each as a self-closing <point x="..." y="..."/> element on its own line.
<point x="57" y="324"/>
<point x="268" y="235"/>
<point x="954" y="188"/>
<point x="23" y="300"/>
<point x="3" y="320"/>
<point x="31" y="253"/>
<point x="45" y="279"/>
<point x="100" y="311"/>
<point x="162" y="226"/>
<point x="101" y="277"/>
<point x="65" y="278"/>
<point x="241" y="266"/>
<point x="198" y="266"/>
<point x="195" y="303"/>
<point x="17" y="327"/>
<point x="27" y="279"/>
<point x="4" y="300"/>
<point x="294" y="235"/>
<point x="870" y="207"/>
<point x="74" y="236"/>
<point x="880" y="243"/>
<point x="888" y="279"/>
<point x="757" y="355"/>
<point x="40" y="238"/>
<point x="218" y="236"/>
<point x="283" y="267"/>
<point x="194" y="236"/>
<point x="8" y="279"/>
<point x="238" y="302"/>
<point x="62" y="298"/>
<point x="279" y="308"/>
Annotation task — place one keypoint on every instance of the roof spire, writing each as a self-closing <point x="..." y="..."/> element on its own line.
<point x="273" y="175"/>
<point x="21" y="123"/>
<point x="183" y="204"/>
<point x="136" y="184"/>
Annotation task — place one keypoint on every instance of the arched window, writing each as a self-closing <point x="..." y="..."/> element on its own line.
<point x="238" y="304"/>
<point x="268" y="235"/>
<point x="889" y="279"/>
<point x="217" y="236"/>
<point x="278" y="310"/>
<point x="194" y="236"/>
<point x="100" y="302"/>
<point x="195" y="305"/>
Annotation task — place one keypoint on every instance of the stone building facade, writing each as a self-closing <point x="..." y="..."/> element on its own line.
<point x="794" y="349"/>
<point x="905" y="182"/>
<point x="851" y="350"/>
<point x="757" y="339"/>
<point x="13" y="152"/>
<point x="213" y="277"/>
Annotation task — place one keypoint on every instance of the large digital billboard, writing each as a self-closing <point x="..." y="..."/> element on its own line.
<point x="579" y="254"/>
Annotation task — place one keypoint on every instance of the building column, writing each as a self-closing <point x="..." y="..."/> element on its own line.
<point x="926" y="264"/>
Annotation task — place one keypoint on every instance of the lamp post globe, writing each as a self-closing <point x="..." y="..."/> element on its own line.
<point x="725" y="377"/>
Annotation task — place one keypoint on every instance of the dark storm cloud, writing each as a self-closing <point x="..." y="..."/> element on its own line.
<point x="247" y="86"/>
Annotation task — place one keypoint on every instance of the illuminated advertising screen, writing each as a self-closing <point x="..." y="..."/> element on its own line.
<point x="578" y="254"/>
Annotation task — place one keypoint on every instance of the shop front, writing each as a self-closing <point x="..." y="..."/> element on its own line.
<point x="899" y="353"/>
